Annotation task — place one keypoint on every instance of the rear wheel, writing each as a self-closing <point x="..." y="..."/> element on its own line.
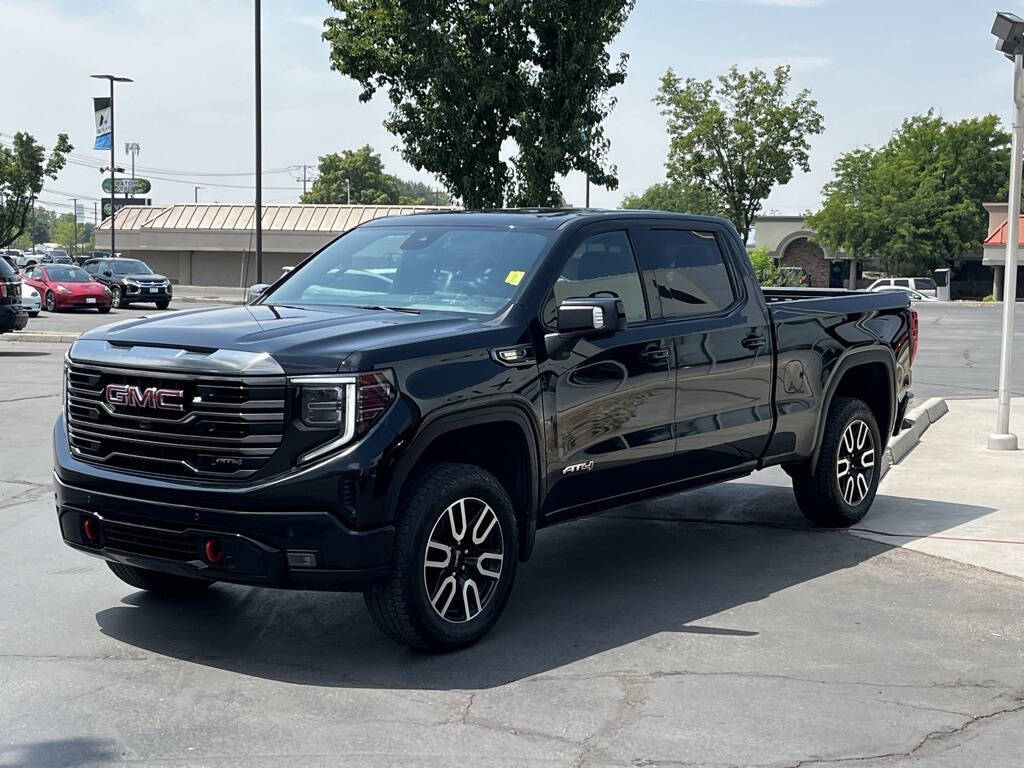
<point x="455" y="557"/>
<point x="843" y="485"/>
<point x="158" y="583"/>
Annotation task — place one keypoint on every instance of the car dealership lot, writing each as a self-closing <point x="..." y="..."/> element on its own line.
<point x="711" y="628"/>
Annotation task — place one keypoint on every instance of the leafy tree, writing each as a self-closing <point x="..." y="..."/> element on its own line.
<point x="23" y="166"/>
<point x="765" y="267"/>
<point x="64" y="233"/>
<point x="363" y="170"/>
<point x="737" y="139"/>
<point x="465" y="77"/>
<point x="418" y="193"/>
<point x="668" y="196"/>
<point x="915" y="204"/>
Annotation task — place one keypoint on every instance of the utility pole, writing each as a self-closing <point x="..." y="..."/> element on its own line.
<point x="131" y="148"/>
<point x="74" y="205"/>
<point x="259" y="149"/>
<point x="196" y="190"/>
<point x="303" y="179"/>
<point x="113" y="219"/>
<point x="95" y="215"/>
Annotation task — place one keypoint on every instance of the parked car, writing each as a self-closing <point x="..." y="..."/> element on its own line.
<point x="131" y="282"/>
<point x="13" y="316"/>
<point x="11" y="261"/>
<point x="27" y="260"/>
<point x="67" y="287"/>
<point x="57" y="256"/>
<point x="408" y="437"/>
<point x="924" y="285"/>
<point x="31" y="300"/>
<point x="910" y="292"/>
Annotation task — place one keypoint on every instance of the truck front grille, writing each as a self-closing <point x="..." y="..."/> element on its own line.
<point x="153" y="542"/>
<point x="175" y="425"/>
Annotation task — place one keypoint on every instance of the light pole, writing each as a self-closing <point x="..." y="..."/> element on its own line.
<point x="132" y="148"/>
<point x="348" y="192"/>
<point x="74" y="205"/>
<point x="259" y="148"/>
<point x="113" y="219"/>
<point x="1009" y="29"/>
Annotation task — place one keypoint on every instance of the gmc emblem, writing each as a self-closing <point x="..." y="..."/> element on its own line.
<point x="150" y="397"/>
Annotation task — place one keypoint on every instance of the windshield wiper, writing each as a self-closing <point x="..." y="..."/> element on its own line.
<point x="407" y="310"/>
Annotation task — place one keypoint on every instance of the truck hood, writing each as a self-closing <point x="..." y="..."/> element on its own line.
<point x="301" y="339"/>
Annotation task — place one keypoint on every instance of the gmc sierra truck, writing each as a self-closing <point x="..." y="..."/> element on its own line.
<point x="403" y="411"/>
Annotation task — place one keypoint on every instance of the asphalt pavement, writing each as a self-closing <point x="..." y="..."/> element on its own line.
<point x="713" y="628"/>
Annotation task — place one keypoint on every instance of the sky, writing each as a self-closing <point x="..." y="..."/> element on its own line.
<point x="869" y="64"/>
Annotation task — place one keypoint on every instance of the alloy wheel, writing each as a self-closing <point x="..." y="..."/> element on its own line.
<point x="115" y="297"/>
<point x="51" y="302"/>
<point x="855" y="463"/>
<point x="462" y="565"/>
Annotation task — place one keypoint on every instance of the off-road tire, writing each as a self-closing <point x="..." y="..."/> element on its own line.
<point x="165" y="584"/>
<point x="818" y="493"/>
<point x="400" y="606"/>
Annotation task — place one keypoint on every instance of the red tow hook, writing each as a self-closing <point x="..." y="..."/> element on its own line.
<point x="214" y="554"/>
<point x="91" y="529"/>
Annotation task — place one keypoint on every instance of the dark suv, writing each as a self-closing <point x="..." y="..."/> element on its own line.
<point x="13" y="317"/>
<point x="403" y="411"/>
<point x="130" y="282"/>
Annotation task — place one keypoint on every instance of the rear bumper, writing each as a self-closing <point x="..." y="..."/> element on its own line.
<point x="13" y="317"/>
<point x="153" y="525"/>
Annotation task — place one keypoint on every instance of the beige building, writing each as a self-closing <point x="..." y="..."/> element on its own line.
<point x="791" y="243"/>
<point x="994" y="249"/>
<point x="215" y="244"/>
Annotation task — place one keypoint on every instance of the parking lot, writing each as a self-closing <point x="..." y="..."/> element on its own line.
<point x="713" y="628"/>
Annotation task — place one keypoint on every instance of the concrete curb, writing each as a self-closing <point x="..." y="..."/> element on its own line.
<point x="54" y="337"/>
<point x="922" y="417"/>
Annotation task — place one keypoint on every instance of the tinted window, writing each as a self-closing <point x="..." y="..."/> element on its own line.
<point x="689" y="270"/>
<point x="130" y="267"/>
<point x="68" y="275"/>
<point x="925" y="284"/>
<point x="904" y="282"/>
<point x="6" y="270"/>
<point x="91" y="267"/>
<point x="602" y="264"/>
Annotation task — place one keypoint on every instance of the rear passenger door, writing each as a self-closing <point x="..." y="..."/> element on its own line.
<point x="722" y="346"/>
<point x="610" y="402"/>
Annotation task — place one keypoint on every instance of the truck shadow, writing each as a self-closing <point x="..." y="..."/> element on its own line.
<point x="593" y="585"/>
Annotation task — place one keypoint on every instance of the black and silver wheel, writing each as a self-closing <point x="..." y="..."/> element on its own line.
<point x="115" y="297"/>
<point x="51" y="302"/>
<point x="455" y="556"/>
<point x="843" y="485"/>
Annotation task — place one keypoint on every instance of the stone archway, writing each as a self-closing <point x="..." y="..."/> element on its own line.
<point x="799" y="250"/>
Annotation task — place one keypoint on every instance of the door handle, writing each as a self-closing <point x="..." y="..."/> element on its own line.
<point x="655" y="354"/>
<point x="754" y="341"/>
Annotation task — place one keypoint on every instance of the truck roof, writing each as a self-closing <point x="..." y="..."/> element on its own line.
<point x="537" y="218"/>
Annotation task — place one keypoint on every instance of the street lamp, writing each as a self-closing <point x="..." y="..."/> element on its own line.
<point x="1009" y="31"/>
<point x="259" y="146"/>
<point x="112" y="79"/>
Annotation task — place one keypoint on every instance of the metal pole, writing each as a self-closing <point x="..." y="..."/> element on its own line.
<point x="74" y="203"/>
<point x="113" y="249"/>
<point x="1002" y="438"/>
<point x="259" y="152"/>
<point x="196" y="190"/>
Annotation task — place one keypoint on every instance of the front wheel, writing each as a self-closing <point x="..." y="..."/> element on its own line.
<point x="34" y="314"/>
<point x="843" y="485"/>
<point x="51" y="302"/>
<point x="455" y="557"/>
<point x="163" y="304"/>
<point x="165" y="584"/>
<point x="115" y="297"/>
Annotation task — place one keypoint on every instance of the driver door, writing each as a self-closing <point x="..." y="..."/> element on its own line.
<point x="609" y="402"/>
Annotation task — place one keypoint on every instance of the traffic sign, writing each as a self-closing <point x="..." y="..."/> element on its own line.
<point x="128" y="186"/>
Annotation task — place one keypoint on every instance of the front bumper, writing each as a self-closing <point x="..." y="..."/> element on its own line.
<point x="130" y="293"/>
<point x="80" y="302"/>
<point x="261" y="529"/>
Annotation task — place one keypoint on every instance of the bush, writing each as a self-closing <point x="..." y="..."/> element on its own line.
<point x="765" y="267"/>
<point x="990" y="297"/>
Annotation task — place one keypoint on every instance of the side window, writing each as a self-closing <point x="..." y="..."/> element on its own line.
<point x="689" y="271"/>
<point x="90" y="267"/>
<point x="902" y="282"/>
<point x="601" y="264"/>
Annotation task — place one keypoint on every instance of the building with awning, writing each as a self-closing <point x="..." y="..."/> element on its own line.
<point x="994" y="249"/>
<point x="216" y="244"/>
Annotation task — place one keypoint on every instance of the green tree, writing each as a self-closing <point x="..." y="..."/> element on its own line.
<point x="23" y="166"/>
<point x="915" y="204"/>
<point x="739" y="138"/>
<point x="363" y="170"/>
<point x="64" y="233"/>
<point x="463" y="78"/>
<point x="667" y="196"/>
<point x="418" y="193"/>
<point x="765" y="267"/>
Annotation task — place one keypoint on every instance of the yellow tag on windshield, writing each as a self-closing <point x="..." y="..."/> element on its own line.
<point x="513" y="277"/>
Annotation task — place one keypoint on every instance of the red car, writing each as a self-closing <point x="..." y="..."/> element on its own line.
<point x="63" y="286"/>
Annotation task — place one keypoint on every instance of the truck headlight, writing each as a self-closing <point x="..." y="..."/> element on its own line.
<point x="347" y="406"/>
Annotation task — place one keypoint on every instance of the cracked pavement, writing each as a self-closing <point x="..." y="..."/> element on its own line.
<point x="673" y="633"/>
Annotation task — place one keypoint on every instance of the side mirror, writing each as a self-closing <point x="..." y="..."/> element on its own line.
<point x="590" y="317"/>
<point x="255" y="291"/>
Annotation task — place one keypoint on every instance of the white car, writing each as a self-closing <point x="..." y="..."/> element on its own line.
<point x="31" y="300"/>
<point x="923" y="285"/>
<point x="914" y="295"/>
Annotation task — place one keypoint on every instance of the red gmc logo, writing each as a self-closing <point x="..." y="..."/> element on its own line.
<point x="150" y="397"/>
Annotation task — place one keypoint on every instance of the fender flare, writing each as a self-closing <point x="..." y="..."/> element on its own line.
<point x="446" y="420"/>
<point x="855" y="358"/>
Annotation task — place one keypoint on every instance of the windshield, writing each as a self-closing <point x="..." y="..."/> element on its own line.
<point x="460" y="269"/>
<point x="130" y="267"/>
<point x="68" y="275"/>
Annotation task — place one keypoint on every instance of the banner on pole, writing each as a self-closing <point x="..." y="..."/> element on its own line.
<point x="101" y="106"/>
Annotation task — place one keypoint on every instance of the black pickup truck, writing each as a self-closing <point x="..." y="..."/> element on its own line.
<point x="401" y="413"/>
